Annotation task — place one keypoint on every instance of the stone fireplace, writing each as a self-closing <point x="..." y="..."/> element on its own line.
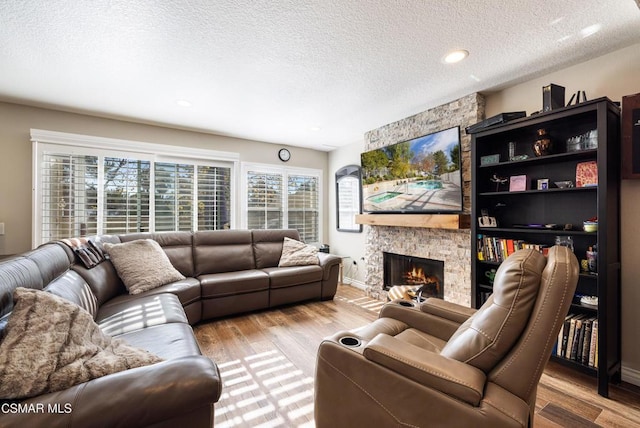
<point x="426" y="274"/>
<point x="451" y="247"/>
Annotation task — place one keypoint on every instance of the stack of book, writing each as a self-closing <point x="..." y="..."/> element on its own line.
<point x="578" y="339"/>
<point x="492" y="249"/>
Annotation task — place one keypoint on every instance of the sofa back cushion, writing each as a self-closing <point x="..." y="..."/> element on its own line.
<point x="72" y="287"/>
<point x="52" y="261"/>
<point x="267" y="245"/>
<point x="489" y="334"/>
<point x="178" y="246"/>
<point x="16" y="272"/>
<point x="102" y="278"/>
<point x="218" y="251"/>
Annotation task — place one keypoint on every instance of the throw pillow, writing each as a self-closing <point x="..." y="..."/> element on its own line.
<point x="52" y="344"/>
<point x="296" y="253"/>
<point x="142" y="265"/>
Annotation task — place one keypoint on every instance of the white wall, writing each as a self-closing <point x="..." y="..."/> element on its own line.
<point x="345" y="243"/>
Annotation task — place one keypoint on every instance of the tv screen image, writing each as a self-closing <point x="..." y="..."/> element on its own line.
<point x="422" y="175"/>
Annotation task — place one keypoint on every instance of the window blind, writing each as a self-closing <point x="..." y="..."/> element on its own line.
<point x="303" y="205"/>
<point x="69" y="195"/>
<point x="264" y="200"/>
<point x="174" y="187"/>
<point x="126" y="195"/>
<point x="214" y="197"/>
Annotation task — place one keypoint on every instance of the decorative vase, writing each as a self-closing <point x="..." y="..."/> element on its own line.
<point x="542" y="146"/>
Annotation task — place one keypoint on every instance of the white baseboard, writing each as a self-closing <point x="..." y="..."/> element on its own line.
<point x="630" y="376"/>
<point x="355" y="283"/>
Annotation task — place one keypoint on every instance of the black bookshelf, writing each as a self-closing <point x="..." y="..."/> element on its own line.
<point x="536" y="216"/>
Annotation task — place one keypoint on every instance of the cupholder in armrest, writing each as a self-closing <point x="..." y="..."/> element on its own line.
<point x="350" y="341"/>
<point x="406" y="303"/>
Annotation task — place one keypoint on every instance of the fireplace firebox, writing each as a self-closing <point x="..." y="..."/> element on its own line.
<point x="427" y="274"/>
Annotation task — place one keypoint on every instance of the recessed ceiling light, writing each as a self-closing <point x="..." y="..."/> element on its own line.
<point x="315" y="128"/>
<point x="456" y="56"/>
<point x="183" y="103"/>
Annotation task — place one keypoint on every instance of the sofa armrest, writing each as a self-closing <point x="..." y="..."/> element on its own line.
<point x="452" y="377"/>
<point x="137" y="397"/>
<point x="326" y="262"/>
<point x="330" y="271"/>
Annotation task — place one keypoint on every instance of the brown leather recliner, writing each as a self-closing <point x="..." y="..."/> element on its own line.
<point x="441" y="364"/>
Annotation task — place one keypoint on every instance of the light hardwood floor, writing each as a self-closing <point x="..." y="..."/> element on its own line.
<point x="267" y="362"/>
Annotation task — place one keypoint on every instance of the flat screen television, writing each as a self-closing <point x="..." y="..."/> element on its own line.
<point x="422" y="175"/>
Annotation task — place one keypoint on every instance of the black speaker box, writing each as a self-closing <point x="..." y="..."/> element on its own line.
<point x="552" y="97"/>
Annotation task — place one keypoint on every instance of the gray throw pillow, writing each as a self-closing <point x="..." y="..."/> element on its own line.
<point x="142" y="265"/>
<point x="296" y="253"/>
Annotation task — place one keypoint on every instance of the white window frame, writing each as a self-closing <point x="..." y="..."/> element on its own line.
<point x="285" y="172"/>
<point x="44" y="141"/>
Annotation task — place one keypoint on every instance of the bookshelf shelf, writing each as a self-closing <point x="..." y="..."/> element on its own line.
<point x="522" y="215"/>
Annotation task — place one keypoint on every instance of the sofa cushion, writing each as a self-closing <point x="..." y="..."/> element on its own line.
<point x="491" y="332"/>
<point x="217" y="251"/>
<point x="123" y="316"/>
<point x="178" y="246"/>
<point x="102" y="279"/>
<point x="296" y="253"/>
<point x="64" y="346"/>
<point x="72" y="286"/>
<point x="294" y="275"/>
<point x="142" y="265"/>
<point x="168" y="341"/>
<point x="52" y="261"/>
<point x="230" y="283"/>
<point x="17" y="272"/>
<point x="267" y="245"/>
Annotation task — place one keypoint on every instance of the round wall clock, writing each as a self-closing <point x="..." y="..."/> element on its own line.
<point x="284" y="155"/>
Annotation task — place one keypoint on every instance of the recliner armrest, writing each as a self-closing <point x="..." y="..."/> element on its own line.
<point x="434" y="316"/>
<point x="432" y="370"/>
<point x="447" y="310"/>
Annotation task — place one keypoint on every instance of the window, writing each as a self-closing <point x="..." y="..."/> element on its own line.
<point x="303" y="206"/>
<point x="82" y="189"/>
<point x="278" y="198"/>
<point x="126" y="195"/>
<point x="348" y="198"/>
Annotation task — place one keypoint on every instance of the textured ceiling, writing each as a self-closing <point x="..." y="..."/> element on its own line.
<point x="271" y="70"/>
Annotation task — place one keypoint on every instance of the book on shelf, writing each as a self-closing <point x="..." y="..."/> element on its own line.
<point x="577" y="339"/>
<point x="494" y="249"/>
<point x="586" y="343"/>
<point x="593" y="346"/>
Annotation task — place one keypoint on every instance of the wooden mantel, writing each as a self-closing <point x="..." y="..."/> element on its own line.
<point x="432" y="221"/>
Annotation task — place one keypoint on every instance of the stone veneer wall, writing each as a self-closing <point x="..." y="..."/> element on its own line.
<point x="451" y="246"/>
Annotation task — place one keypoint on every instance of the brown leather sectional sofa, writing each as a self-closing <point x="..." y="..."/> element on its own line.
<point x="227" y="272"/>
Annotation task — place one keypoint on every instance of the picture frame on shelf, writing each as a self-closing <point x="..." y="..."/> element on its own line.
<point x="518" y="183"/>
<point x="543" y="183"/>
<point x="587" y="174"/>
<point x="490" y="159"/>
